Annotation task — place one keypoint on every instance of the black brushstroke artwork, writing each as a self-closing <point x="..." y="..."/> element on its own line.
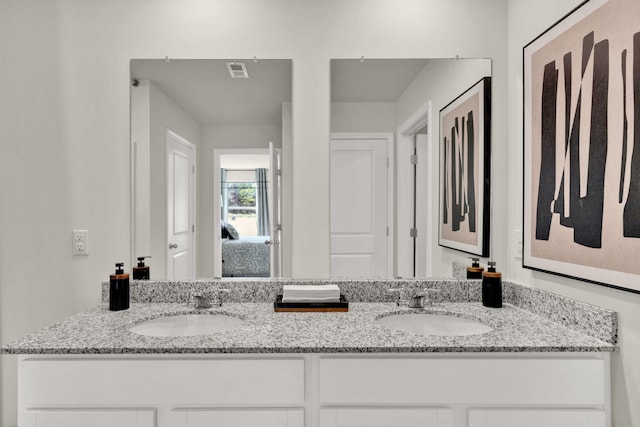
<point x="631" y="216"/>
<point x="445" y="209"/>
<point x="461" y="147"/>
<point x="582" y="206"/>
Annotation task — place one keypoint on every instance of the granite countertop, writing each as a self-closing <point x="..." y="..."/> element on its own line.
<point x="100" y="331"/>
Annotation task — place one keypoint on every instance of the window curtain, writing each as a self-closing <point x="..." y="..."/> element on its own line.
<point x="262" y="202"/>
<point x="224" y="197"/>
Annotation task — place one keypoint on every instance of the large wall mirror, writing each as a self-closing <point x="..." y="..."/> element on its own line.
<point x="384" y="161"/>
<point x="206" y="138"/>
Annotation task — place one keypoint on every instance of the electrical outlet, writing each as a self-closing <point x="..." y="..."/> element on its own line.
<point x="517" y="244"/>
<point x="80" y="242"/>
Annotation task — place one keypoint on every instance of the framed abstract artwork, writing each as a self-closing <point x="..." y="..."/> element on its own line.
<point x="465" y="170"/>
<point x="581" y="198"/>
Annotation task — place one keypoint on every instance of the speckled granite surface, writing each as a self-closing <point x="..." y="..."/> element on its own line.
<point x="592" y="320"/>
<point x="531" y="320"/>
<point x="266" y="290"/>
<point x="100" y="331"/>
<point x="458" y="270"/>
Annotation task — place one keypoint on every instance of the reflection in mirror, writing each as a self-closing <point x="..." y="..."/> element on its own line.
<point x="384" y="160"/>
<point x="182" y="111"/>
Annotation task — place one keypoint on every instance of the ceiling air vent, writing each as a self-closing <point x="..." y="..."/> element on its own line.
<point x="237" y="70"/>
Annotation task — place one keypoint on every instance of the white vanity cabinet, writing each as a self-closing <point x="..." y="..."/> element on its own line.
<point x="536" y="418"/>
<point x="178" y="390"/>
<point x="238" y="418"/>
<point x="386" y="417"/>
<point x="316" y="390"/>
<point x="473" y="390"/>
<point x="94" y="417"/>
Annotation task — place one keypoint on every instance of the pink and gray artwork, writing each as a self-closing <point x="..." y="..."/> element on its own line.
<point x="464" y="170"/>
<point x="582" y="144"/>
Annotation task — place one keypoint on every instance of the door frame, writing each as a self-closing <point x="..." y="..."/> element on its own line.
<point x="217" y="234"/>
<point x="388" y="136"/>
<point x="406" y="132"/>
<point x="192" y="200"/>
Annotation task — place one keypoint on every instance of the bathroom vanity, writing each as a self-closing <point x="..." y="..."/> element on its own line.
<point x="321" y="369"/>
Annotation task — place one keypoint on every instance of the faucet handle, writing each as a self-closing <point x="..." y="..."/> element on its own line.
<point x="217" y="299"/>
<point x="402" y="296"/>
<point x="430" y="293"/>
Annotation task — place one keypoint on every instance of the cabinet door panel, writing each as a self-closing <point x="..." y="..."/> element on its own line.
<point x="374" y="417"/>
<point x="87" y="418"/>
<point x="244" y="418"/>
<point x="536" y="418"/>
<point x="147" y="382"/>
<point x="446" y="381"/>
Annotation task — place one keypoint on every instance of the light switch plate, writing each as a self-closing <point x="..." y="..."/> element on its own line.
<point x="80" y="242"/>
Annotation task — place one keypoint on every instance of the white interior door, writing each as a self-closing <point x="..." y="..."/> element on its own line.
<point x="359" y="207"/>
<point x="275" y="203"/>
<point x="181" y="213"/>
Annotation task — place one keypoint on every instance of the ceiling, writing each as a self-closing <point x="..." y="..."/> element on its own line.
<point x="372" y="80"/>
<point x="205" y="90"/>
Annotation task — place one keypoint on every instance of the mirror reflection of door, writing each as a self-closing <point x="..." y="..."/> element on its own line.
<point x="400" y="98"/>
<point x="248" y="243"/>
<point x="214" y="104"/>
<point x="360" y="200"/>
<point x="181" y="207"/>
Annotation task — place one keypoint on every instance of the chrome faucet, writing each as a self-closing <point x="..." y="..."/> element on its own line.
<point x="415" y="299"/>
<point x="200" y="301"/>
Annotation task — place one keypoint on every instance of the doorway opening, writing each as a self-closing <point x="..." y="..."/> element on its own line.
<point x="247" y="239"/>
<point x="414" y="198"/>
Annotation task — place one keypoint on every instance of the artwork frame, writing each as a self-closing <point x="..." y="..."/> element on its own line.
<point x="581" y="146"/>
<point x="464" y="203"/>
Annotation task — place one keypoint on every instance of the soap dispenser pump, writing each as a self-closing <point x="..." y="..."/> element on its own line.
<point x="119" y="289"/>
<point x="475" y="271"/>
<point x="141" y="272"/>
<point x="492" y="287"/>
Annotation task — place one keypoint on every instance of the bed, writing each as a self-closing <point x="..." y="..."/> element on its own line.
<point x="246" y="256"/>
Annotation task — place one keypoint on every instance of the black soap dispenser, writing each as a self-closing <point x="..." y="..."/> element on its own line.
<point x="119" y="289"/>
<point x="141" y="272"/>
<point x="492" y="287"/>
<point x="475" y="271"/>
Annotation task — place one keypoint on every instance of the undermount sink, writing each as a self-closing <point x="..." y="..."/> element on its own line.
<point x="187" y="325"/>
<point x="433" y="324"/>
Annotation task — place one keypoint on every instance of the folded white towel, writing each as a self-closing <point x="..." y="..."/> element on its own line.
<point x="310" y="293"/>
<point x="313" y="299"/>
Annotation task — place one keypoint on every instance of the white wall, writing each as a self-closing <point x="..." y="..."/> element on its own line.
<point x="286" y="179"/>
<point x="526" y="20"/>
<point x="222" y="136"/>
<point x="363" y="117"/>
<point x="164" y="114"/>
<point x="65" y="118"/>
<point x="141" y="170"/>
